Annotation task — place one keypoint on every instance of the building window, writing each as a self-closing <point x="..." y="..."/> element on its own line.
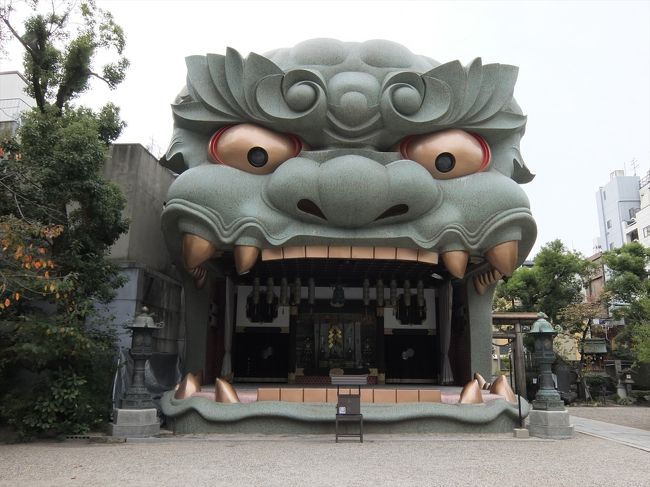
<point x="604" y="195"/>
<point x="633" y="212"/>
<point x="646" y="231"/>
<point x="609" y="224"/>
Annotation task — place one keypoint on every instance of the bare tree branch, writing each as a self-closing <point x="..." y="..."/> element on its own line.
<point x="98" y="76"/>
<point x="18" y="37"/>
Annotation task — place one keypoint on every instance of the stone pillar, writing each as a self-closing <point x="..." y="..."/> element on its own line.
<point x="196" y="309"/>
<point x="480" y="329"/>
<point x="293" y="331"/>
<point x="445" y="300"/>
<point x="520" y="366"/>
<point x="229" y="329"/>
<point x="379" y="347"/>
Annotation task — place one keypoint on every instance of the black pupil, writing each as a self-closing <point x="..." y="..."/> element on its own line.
<point x="445" y="162"/>
<point x="257" y="157"/>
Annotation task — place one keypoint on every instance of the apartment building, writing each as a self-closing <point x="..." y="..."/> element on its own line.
<point x="13" y="100"/>
<point x="638" y="227"/>
<point x="617" y="203"/>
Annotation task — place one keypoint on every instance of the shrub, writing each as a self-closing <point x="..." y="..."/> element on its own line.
<point x="625" y="401"/>
<point x="596" y="382"/>
<point x="55" y="377"/>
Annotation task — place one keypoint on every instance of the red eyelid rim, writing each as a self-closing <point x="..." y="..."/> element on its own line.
<point x="297" y="144"/>
<point x="212" y="145"/>
<point x="487" y="152"/>
<point x="404" y="145"/>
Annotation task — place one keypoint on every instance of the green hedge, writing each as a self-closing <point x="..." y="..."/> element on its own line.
<point x="55" y="377"/>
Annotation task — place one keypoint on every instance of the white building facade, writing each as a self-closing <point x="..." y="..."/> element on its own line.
<point x="617" y="202"/>
<point x="13" y="100"/>
<point x="638" y="228"/>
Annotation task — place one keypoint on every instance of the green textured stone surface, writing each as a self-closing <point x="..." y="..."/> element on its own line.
<point x="351" y="104"/>
<point x="352" y="150"/>
<point x="200" y="415"/>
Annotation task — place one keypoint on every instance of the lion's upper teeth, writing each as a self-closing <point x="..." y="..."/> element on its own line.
<point x="485" y="279"/>
<point x="245" y="258"/>
<point x="349" y="252"/>
<point x="196" y="250"/>
<point x="503" y="257"/>
<point x="456" y="262"/>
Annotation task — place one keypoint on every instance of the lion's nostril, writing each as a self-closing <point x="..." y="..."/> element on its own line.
<point x="396" y="210"/>
<point x="308" y="206"/>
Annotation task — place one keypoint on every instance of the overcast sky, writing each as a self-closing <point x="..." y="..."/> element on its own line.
<point x="584" y="77"/>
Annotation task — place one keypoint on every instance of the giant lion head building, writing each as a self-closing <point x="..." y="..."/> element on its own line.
<point x="344" y="206"/>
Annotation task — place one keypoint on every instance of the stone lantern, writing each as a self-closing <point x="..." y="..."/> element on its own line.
<point x="547" y="397"/>
<point x="626" y="378"/>
<point x="142" y="327"/>
<point x="137" y="416"/>
<point x="549" y="418"/>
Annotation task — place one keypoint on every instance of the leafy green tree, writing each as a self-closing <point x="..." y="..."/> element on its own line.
<point x="577" y="319"/>
<point x="641" y="342"/>
<point x="61" y="47"/>
<point x="555" y="281"/>
<point x="628" y="272"/>
<point x="55" y="371"/>
<point x="26" y="267"/>
<point x="56" y="177"/>
<point x="628" y="292"/>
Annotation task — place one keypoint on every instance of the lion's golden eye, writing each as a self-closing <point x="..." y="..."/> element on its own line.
<point x="252" y="149"/>
<point x="449" y="154"/>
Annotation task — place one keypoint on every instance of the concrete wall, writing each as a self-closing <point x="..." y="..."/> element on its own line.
<point x="124" y="306"/>
<point x="161" y="294"/>
<point x="144" y="183"/>
<point x="141" y="252"/>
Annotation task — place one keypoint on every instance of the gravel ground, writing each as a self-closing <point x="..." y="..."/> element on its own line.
<point x="634" y="417"/>
<point x="315" y="460"/>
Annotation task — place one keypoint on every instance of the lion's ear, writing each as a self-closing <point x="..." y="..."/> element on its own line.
<point x="175" y="163"/>
<point x="520" y="173"/>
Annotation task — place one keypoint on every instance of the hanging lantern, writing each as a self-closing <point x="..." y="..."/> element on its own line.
<point x="296" y="291"/>
<point x="366" y="292"/>
<point x="311" y="297"/>
<point x="338" y="297"/>
<point x="420" y="293"/>
<point x="269" y="291"/>
<point x="407" y="293"/>
<point x="284" y="292"/>
<point x="393" y="293"/>
<point x="380" y="293"/>
<point x="256" y="290"/>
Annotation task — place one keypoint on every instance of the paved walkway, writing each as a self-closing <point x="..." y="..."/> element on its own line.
<point x="316" y="461"/>
<point x="632" y="416"/>
<point x="625" y="435"/>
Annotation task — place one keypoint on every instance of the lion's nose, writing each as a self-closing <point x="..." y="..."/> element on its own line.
<point x="352" y="191"/>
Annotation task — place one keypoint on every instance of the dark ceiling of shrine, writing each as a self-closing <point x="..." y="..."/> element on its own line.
<point x="347" y="272"/>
